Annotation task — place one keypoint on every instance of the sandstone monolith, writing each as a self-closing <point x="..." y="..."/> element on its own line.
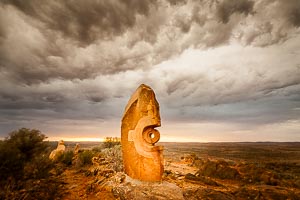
<point x="142" y="159"/>
<point x="76" y="149"/>
<point x="60" y="149"/>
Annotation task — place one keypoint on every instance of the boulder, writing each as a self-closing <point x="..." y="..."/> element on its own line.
<point x="59" y="150"/>
<point x="136" y="190"/>
<point x="218" y="169"/>
<point x="206" y="193"/>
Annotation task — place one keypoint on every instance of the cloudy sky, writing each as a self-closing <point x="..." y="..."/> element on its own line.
<point x="222" y="70"/>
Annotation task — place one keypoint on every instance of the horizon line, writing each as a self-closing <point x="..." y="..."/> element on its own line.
<point x="190" y="141"/>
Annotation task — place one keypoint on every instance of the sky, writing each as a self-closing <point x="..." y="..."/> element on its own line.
<point x="222" y="70"/>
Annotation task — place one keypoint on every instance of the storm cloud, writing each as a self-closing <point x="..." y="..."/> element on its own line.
<point x="229" y="7"/>
<point x="77" y="62"/>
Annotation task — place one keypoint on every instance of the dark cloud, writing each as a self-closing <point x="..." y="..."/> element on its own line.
<point x="10" y="97"/>
<point x="184" y="25"/>
<point x="197" y="16"/>
<point x="96" y="96"/>
<point x="253" y="113"/>
<point x="65" y="61"/>
<point x="295" y="16"/>
<point x="176" y="2"/>
<point x="291" y="8"/>
<point x="53" y="37"/>
<point x="228" y="7"/>
<point x="54" y="98"/>
<point x="50" y="56"/>
<point x="67" y="40"/>
<point x="277" y="107"/>
<point x="182" y="84"/>
<point x="85" y="21"/>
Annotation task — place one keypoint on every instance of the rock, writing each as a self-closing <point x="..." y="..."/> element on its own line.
<point x="200" y="179"/>
<point x="266" y="192"/>
<point x="76" y="149"/>
<point x="142" y="159"/>
<point x="206" y="193"/>
<point x="254" y="173"/>
<point x="167" y="172"/>
<point x="268" y="178"/>
<point x="209" y="168"/>
<point x="60" y="149"/>
<point x="100" y="179"/>
<point x="120" y="177"/>
<point x="136" y="190"/>
<point x="192" y="160"/>
<point x="75" y="158"/>
<point x="218" y="169"/>
<point x="97" y="161"/>
<point x="73" y="186"/>
<point x="106" y="172"/>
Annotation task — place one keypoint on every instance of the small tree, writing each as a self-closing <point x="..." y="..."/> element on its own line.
<point x="110" y="142"/>
<point x="12" y="162"/>
<point x="24" y="160"/>
<point x="19" y="149"/>
<point x="85" y="158"/>
<point x="30" y="143"/>
<point x="66" y="158"/>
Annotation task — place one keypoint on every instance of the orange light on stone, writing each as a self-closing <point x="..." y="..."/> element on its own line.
<point x="142" y="159"/>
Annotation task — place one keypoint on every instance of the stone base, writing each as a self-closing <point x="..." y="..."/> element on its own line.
<point x="135" y="189"/>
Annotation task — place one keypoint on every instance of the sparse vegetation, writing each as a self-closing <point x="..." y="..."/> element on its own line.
<point x="114" y="157"/>
<point x="97" y="149"/>
<point x="27" y="173"/>
<point x="110" y="142"/>
<point x="22" y="148"/>
<point x="25" y="166"/>
<point x="66" y="158"/>
<point x="85" y="158"/>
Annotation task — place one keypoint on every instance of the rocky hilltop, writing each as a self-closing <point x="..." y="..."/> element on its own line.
<point x="189" y="176"/>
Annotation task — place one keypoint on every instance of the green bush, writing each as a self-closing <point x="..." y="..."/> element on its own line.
<point x="12" y="162"/>
<point x="19" y="149"/>
<point x="97" y="149"/>
<point x="38" y="168"/>
<point x="66" y="158"/>
<point x="85" y="157"/>
<point x="110" y="144"/>
<point x="29" y="142"/>
<point x="25" y="166"/>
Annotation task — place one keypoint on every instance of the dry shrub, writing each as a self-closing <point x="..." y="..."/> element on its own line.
<point x="97" y="149"/>
<point x="114" y="157"/>
<point x="111" y="144"/>
<point x="25" y="167"/>
<point x="65" y="158"/>
<point x="85" y="158"/>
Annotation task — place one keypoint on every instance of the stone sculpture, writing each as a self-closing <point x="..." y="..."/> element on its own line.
<point x="142" y="159"/>
<point x="75" y="159"/>
<point x="60" y="149"/>
<point x="76" y="149"/>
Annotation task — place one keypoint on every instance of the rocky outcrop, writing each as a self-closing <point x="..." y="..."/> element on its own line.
<point x="266" y="192"/>
<point x="206" y="193"/>
<point x="136" y="190"/>
<point x="59" y="150"/>
<point x="218" y="169"/>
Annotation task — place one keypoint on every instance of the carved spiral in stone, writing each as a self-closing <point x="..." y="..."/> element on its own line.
<point x="151" y="135"/>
